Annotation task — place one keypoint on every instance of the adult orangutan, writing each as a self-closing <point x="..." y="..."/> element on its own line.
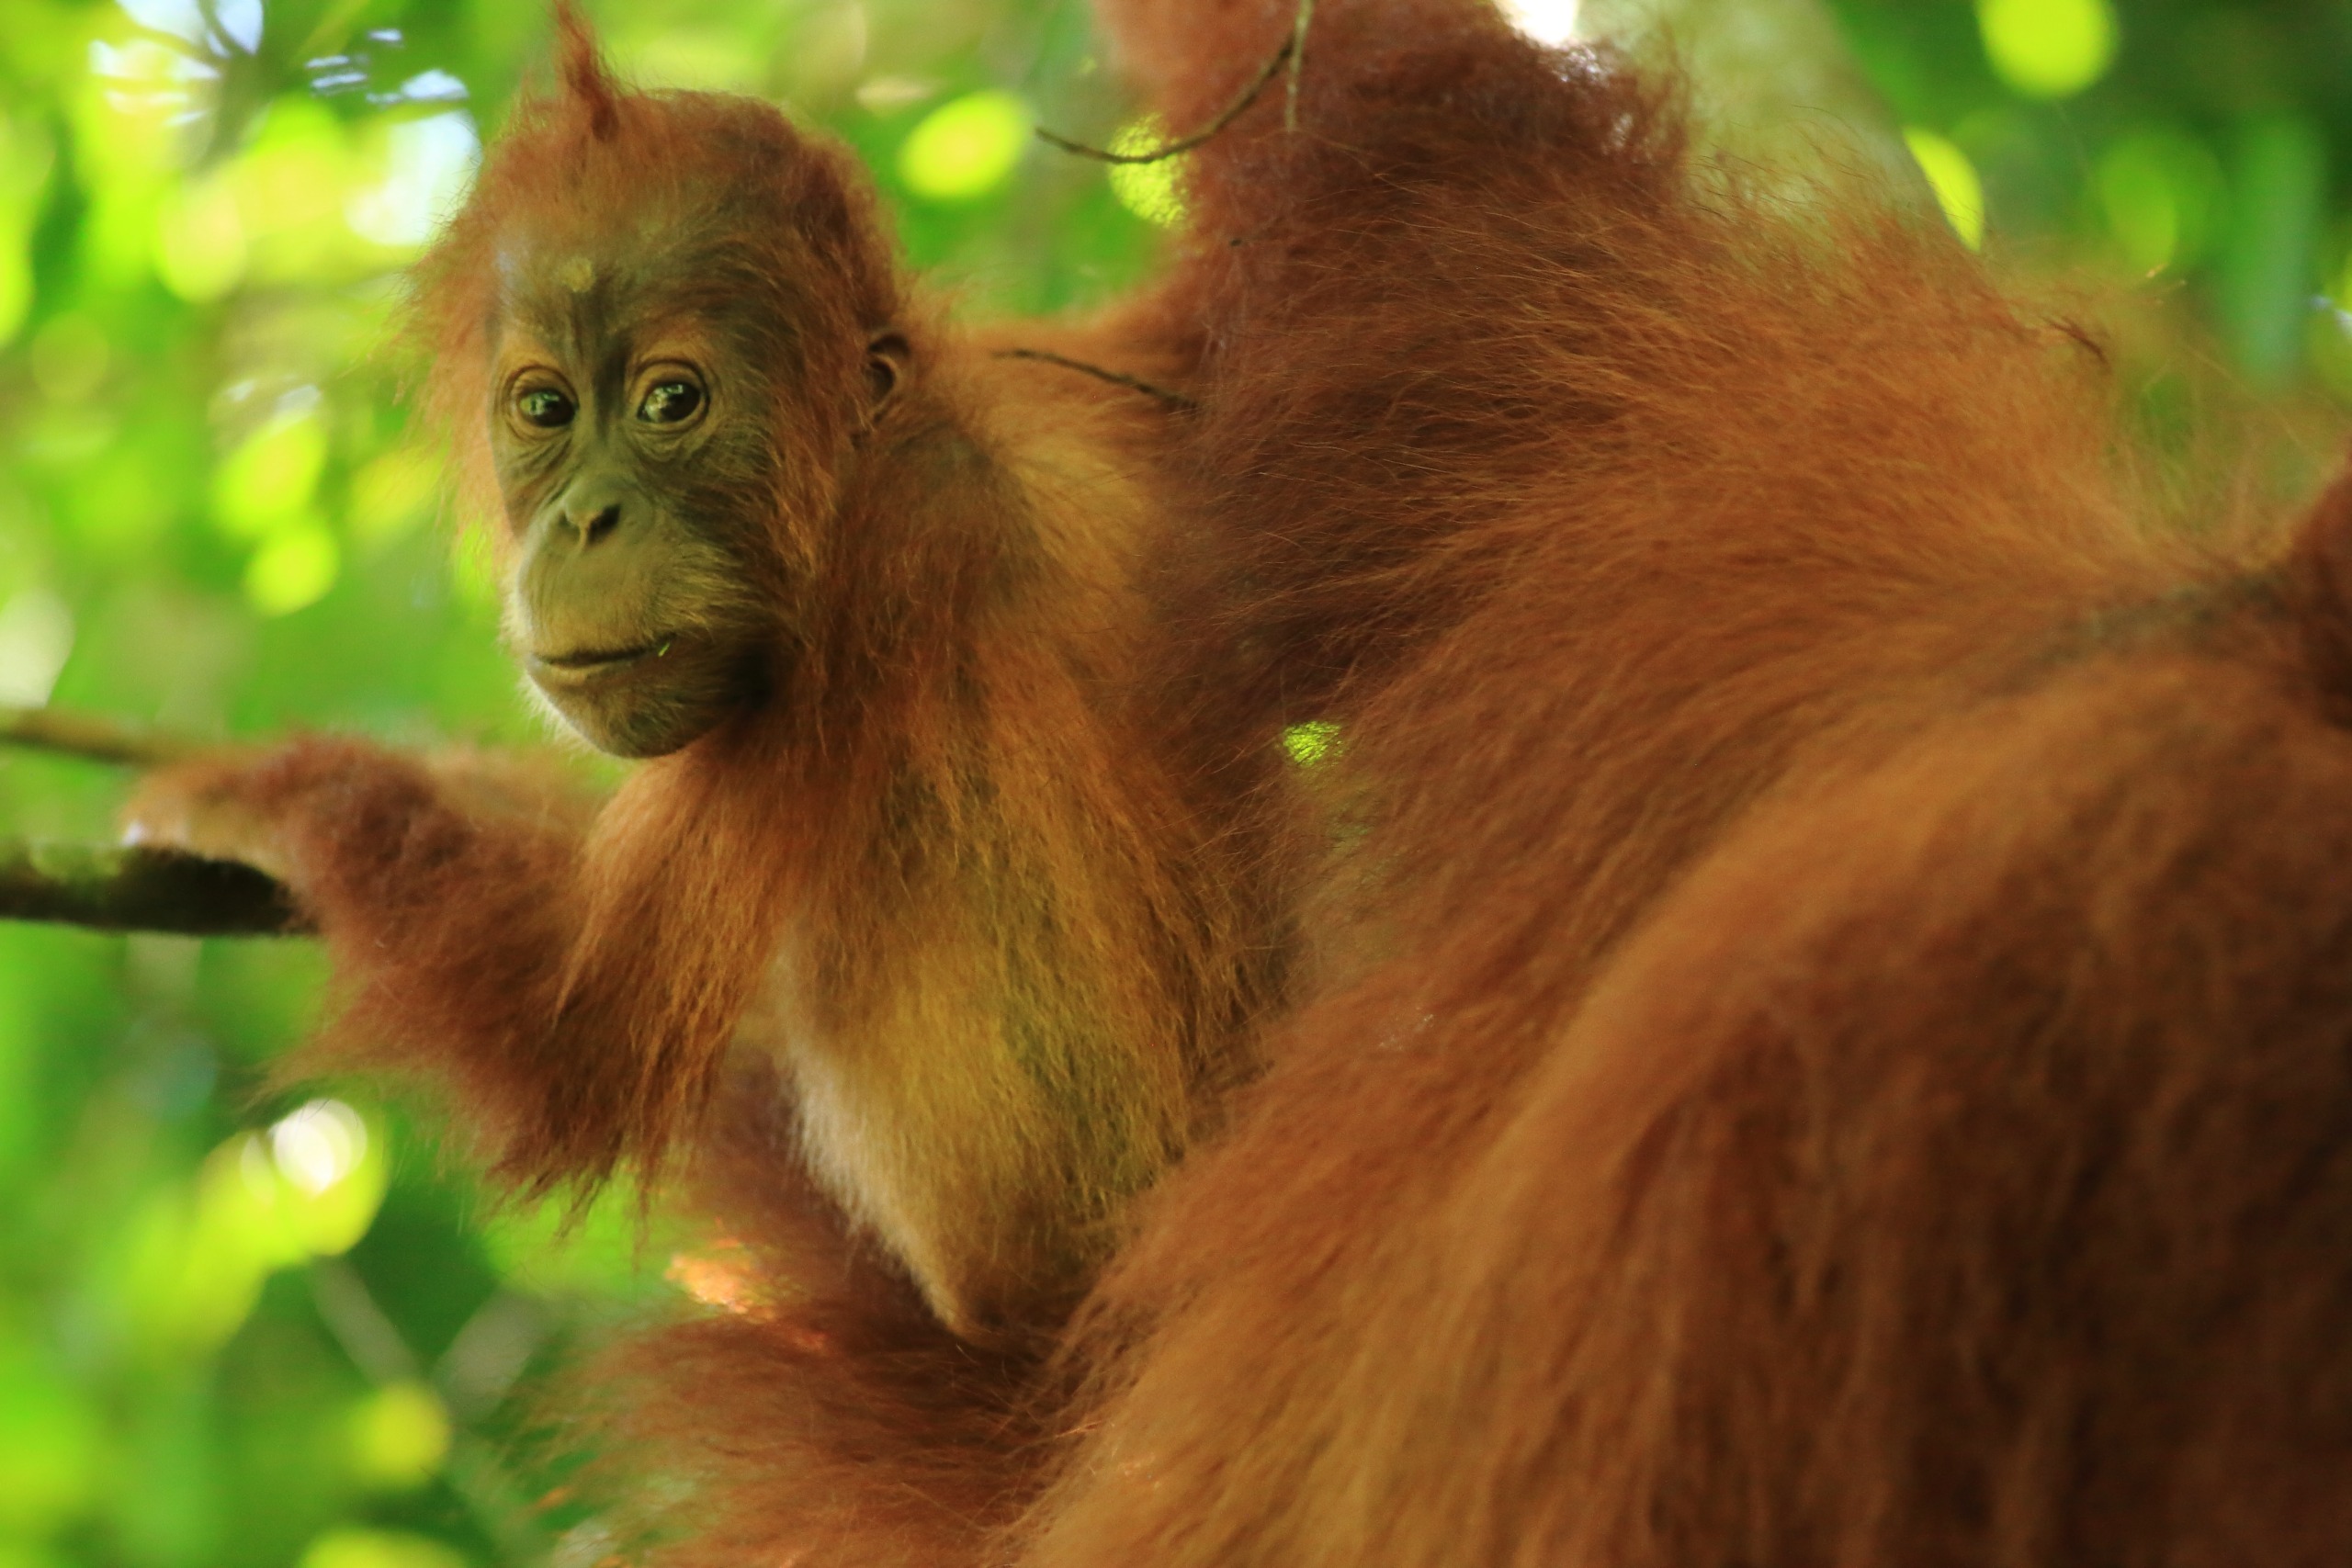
<point x="1826" y="1034"/>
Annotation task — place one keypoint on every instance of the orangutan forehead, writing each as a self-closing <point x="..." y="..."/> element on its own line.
<point x="581" y="296"/>
<point x="547" y="280"/>
<point x="583" y="303"/>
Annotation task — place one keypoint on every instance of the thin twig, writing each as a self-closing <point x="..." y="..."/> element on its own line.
<point x="1176" y="149"/>
<point x="1177" y="400"/>
<point x="91" y="738"/>
<point x="142" y="889"/>
<point x="1297" y="63"/>
<point x="376" y="1347"/>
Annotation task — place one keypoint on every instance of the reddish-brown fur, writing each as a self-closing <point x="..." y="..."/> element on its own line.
<point x="938" y="877"/>
<point x="1827" y="1037"/>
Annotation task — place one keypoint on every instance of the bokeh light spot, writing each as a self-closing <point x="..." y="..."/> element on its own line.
<point x="200" y="245"/>
<point x="394" y="493"/>
<point x="423" y="168"/>
<point x="2048" y="49"/>
<point x="399" y="1435"/>
<point x="293" y="571"/>
<point x="289" y="188"/>
<point x="352" y="1548"/>
<point x="70" y="358"/>
<point x="267" y="482"/>
<point x="966" y="147"/>
<point x="2158" y="190"/>
<point x="318" y="1145"/>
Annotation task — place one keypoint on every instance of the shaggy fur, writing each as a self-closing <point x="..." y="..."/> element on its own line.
<point x="1825" y="1036"/>
<point x="936" y="879"/>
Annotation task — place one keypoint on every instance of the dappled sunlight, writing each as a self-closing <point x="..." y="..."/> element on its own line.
<point x="1960" y="193"/>
<point x="416" y="172"/>
<point x="309" y="1186"/>
<point x="1312" y="743"/>
<point x="967" y="147"/>
<point x="1545" y="21"/>
<point x="720" y="1275"/>
<point x="1151" y="191"/>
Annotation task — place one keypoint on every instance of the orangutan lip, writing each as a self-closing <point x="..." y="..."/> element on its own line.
<point x="593" y="662"/>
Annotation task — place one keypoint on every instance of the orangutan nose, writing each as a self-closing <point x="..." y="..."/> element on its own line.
<point x="594" y="526"/>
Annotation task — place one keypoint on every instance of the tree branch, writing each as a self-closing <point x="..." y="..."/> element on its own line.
<point x="1176" y="401"/>
<point x="1299" y="24"/>
<point x="141" y="890"/>
<point x="1233" y="111"/>
<point x="91" y="738"/>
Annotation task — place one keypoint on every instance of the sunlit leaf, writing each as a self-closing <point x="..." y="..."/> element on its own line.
<point x="1958" y="192"/>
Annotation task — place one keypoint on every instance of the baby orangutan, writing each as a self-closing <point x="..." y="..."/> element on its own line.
<point x="863" y="597"/>
<point x="1826" y="1038"/>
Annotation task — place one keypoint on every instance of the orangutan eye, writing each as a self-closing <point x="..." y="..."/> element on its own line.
<point x="670" y="403"/>
<point x="544" y="407"/>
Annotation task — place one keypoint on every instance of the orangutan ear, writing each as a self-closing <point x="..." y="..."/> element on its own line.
<point x="888" y="363"/>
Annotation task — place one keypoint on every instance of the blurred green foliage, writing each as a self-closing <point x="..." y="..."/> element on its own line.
<point x="240" y="1329"/>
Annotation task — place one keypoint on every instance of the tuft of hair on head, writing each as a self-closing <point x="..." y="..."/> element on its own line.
<point x="586" y="81"/>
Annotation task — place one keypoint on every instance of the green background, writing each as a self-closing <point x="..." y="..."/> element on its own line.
<point x="239" y="1329"/>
